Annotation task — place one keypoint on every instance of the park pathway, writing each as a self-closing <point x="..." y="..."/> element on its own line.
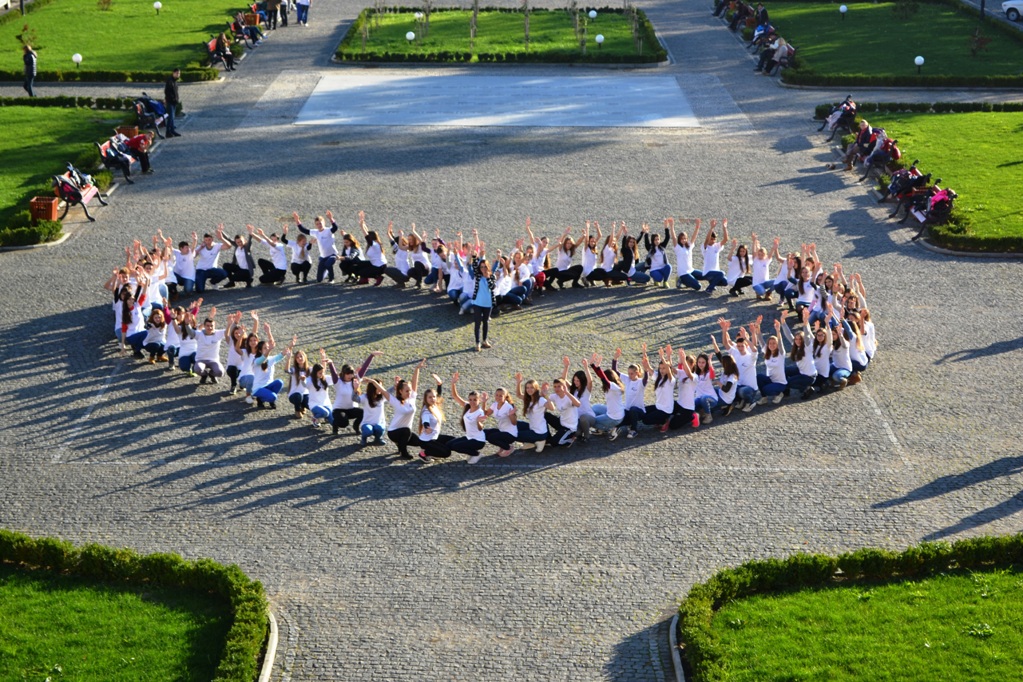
<point x="560" y="566"/>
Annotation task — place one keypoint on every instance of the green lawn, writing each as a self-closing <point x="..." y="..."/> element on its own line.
<point x="70" y="629"/>
<point x="550" y="32"/>
<point x="128" y="37"/>
<point x="961" y="627"/>
<point x="872" y="40"/>
<point x="36" y="143"/>
<point x="979" y="155"/>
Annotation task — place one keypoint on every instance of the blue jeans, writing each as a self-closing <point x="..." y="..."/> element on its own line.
<point x="690" y="280"/>
<point x="325" y="266"/>
<point x="604" y="422"/>
<point x="661" y="274"/>
<point x="321" y="413"/>
<point x="269" y="392"/>
<point x="838" y="374"/>
<point x="801" y="382"/>
<point x="763" y="287"/>
<point x="187" y="285"/>
<point x="633" y="417"/>
<point x="135" y="341"/>
<point x="368" y="430"/>
<point x="302" y="11"/>
<point x="432" y="277"/>
<point x="706" y="404"/>
<point x="246" y="382"/>
<point x="214" y="275"/>
<point x="171" y="129"/>
<point x="714" y="279"/>
<point x="186" y="363"/>
<point x="748" y="394"/>
<point x="770" y="388"/>
<point x="640" y="277"/>
<point x="526" y="435"/>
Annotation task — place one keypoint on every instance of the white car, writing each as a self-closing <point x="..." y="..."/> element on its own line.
<point x="1013" y="9"/>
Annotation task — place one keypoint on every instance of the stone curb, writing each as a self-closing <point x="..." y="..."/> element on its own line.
<point x="271" y="650"/>
<point x="887" y="88"/>
<point x="676" y="658"/>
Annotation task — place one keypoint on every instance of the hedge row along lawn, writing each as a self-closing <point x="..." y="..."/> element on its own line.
<point x="980" y="156"/>
<point x="552" y="36"/>
<point x="961" y="626"/>
<point x="130" y="36"/>
<point x="38" y="142"/>
<point x="873" y="41"/>
<point x="67" y="628"/>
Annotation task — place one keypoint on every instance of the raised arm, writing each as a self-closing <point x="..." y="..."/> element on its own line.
<point x="365" y="365"/>
<point x="696" y="232"/>
<point x="595" y="363"/>
<point x="415" y="375"/>
<point x="518" y="386"/>
<point x="298" y="224"/>
<point x="566" y="363"/>
<point x="454" y="390"/>
<point x="683" y="364"/>
<point x="724" y="231"/>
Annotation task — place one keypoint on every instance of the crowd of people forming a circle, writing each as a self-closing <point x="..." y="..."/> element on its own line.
<point x="824" y="320"/>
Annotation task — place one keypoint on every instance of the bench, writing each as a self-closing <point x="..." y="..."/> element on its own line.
<point x="786" y="60"/>
<point x="147" y="120"/>
<point x="72" y="195"/>
<point x="213" y="54"/>
<point x="110" y="164"/>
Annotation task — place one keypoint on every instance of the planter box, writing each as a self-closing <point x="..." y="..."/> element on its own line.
<point x="43" y="208"/>
<point x="128" y="131"/>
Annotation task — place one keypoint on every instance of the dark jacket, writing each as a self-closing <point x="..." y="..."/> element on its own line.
<point x="170" y="91"/>
<point x="30" y="63"/>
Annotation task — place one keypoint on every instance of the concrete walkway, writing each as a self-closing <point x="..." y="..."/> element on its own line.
<point x="559" y="566"/>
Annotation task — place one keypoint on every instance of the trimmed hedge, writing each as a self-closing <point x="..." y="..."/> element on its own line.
<point x="822" y="110"/>
<point x="818" y="571"/>
<point x="353" y="37"/>
<point x="245" y="639"/>
<point x="81" y="75"/>
<point x="43" y="231"/>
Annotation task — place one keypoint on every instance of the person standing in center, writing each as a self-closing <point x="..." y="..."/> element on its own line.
<point x="482" y="295"/>
<point x="302" y="11"/>
<point x="31" y="61"/>
<point x="171" y="101"/>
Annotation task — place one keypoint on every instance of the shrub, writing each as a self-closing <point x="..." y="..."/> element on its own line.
<point x="814" y="571"/>
<point x="245" y="638"/>
<point x="44" y="231"/>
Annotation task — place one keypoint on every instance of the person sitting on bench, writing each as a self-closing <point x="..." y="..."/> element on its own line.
<point x="139" y="148"/>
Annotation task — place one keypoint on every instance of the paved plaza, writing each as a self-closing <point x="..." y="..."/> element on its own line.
<point x="559" y="566"/>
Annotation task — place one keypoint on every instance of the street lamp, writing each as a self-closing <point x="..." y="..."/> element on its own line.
<point x="842" y="10"/>
<point x="418" y="16"/>
<point x="157" y="6"/>
<point x="77" y="59"/>
<point x="919" y="61"/>
<point x="600" y="40"/>
<point x="593" y="14"/>
<point x="410" y="36"/>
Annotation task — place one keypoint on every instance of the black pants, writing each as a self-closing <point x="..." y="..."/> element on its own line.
<point x="232" y="373"/>
<point x="29" y="81"/>
<point x="681" y="417"/>
<point x="367" y="270"/>
<point x="465" y="445"/>
<point x="271" y="275"/>
<point x="481" y="320"/>
<point x="341" y="418"/>
<point x="500" y="438"/>
<point x="438" y="447"/>
<point x="403" y="438"/>
<point x="559" y="277"/>
<point x="271" y="18"/>
<point x="562" y="435"/>
<point x="740" y="284"/>
<point x="284" y="14"/>
<point x="301" y="402"/>
<point x="235" y="273"/>
<point x="302" y="269"/>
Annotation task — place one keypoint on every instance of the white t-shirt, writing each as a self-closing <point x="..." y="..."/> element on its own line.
<point x="734" y="270"/>
<point x="241" y="258"/>
<point x="431" y="426"/>
<point x="775" y="368"/>
<point x="472" y="428"/>
<point x="206" y="259"/>
<point x="589" y="261"/>
<point x="402" y="413"/>
<point x="173" y="338"/>
<point x="584" y="404"/>
<point x="299" y="252"/>
<point x="684" y="259"/>
<point x="156" y="334"/>
<point x="664" y="395"/>
<point x="657" y="259"/>
<point x="375" y="255"/>
<point x="278" y="255"/>
<point x="188" y="343"/>
<point x="246" y="367"/>
<point x="704" y="386"/>
<point x="613" y="400"/>
<point x="710" y="258"/>
<point x="728" y="397"/>
<point x="208" y="346"/>
<point x="761" y="270"/>
<point x="568" y="413"/>
<point x="297" y="380"/>
<point x="263" y="377"/>
<point x="686" y="392"/>
<point x="318" y="397"/>
<point x="502" y="413"/>
<point x="633" y="392"/>
<point x="184" y="264"/>
<point x="607" y="258"/>
<point x="372" y="414"/>
<point x="564" y="261"/>
<point x="747" y="365"/>
<point x="344" y="395"/>
<point x="325" y="240"/>
<point x="234" y="358"/>
<point x="401" y="260"/>
<point x="535" y="416"/>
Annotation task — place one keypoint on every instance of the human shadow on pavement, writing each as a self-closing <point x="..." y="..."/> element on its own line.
<point x="643" y="655"/>
<point x="1006" y="466"/>
<point x="989" y="351"/>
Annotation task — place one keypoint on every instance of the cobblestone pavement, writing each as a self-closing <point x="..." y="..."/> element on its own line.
<point x="540" y="567"/>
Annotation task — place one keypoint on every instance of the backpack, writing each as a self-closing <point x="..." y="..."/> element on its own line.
<point x="66" y="190"/>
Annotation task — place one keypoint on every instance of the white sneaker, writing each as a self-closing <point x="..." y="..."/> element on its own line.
<point x="777" y="399"/>
<point x="614" y="433"/>
<point x="527" y="446"/>
<point x="249" y="399"/>
<point x="763" y="400"/>
<point x="540" y="445"/>
<point x="474" y="459"/>
<point x="748" y="407"/>
<point x="630" y="434"/>
<point x="707" y="418"/>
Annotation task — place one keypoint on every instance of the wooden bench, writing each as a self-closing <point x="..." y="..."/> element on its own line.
<point x="147" y="120"/>
<point x="109" y="164"/>
<point x="785" y="61"/>
<point x="72" y="195"/>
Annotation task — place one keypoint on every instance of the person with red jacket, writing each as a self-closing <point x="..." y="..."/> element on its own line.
<point x="139" y="146"/>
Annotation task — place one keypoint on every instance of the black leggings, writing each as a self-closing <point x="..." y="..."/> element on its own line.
<point x="561" y="276"/>
<point x="500" y="438"/>
<point x="437" y="447"/>
<point x="368" y="270"/>
<point x="562" y="435"/>
<point x="233" y="373"/>
<point x="466" y="446"/>
<point x="403" y="438"/>
<point x="301" y="271"/>
<point x="339" y="419"/>
<point x="481" y="318"/>
<point x="740" y="284"/>
<point x="681" y="417"/>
